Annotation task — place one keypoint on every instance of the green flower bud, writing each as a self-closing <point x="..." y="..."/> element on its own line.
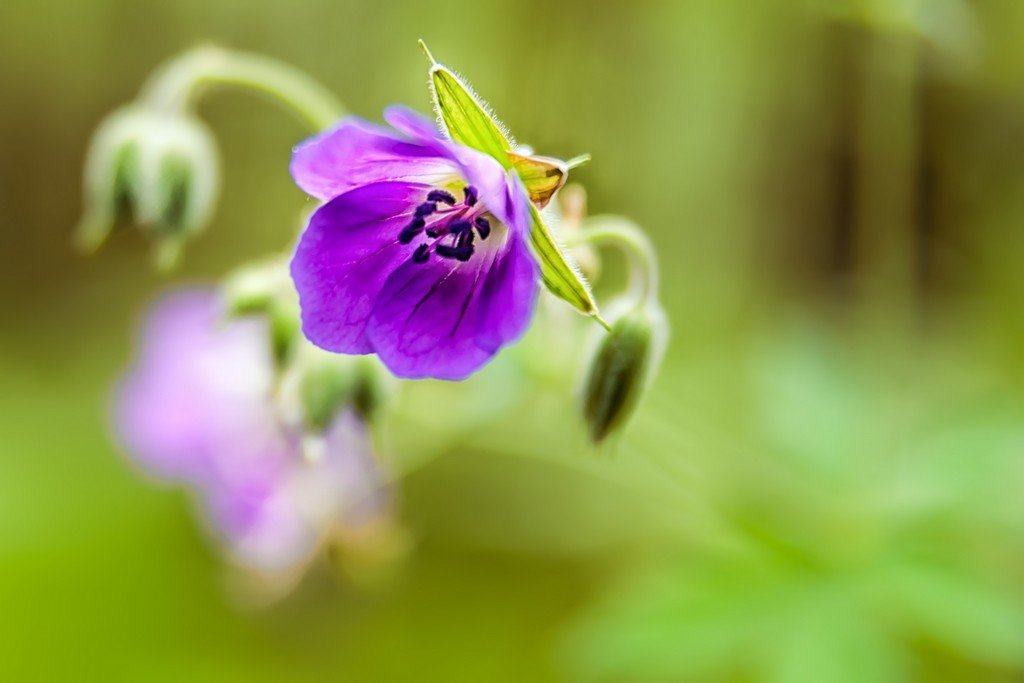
<point x="178" y="182"/>
<point x="622" y="366"/>
<point x="111" y="173"/>
<point x="164" y="167"/>
<point x="265" y="288"/>
<point x="318" y="384"/>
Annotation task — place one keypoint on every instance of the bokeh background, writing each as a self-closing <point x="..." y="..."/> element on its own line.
<point x="826" y="482"/>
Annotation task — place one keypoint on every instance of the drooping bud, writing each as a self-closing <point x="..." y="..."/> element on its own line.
<point x="110" y="179"/>
<point x="179" y="180"/>
<point x="164" y="167"/>
<point x="622" y="366"/>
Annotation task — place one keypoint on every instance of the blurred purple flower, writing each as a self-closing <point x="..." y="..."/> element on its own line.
<point x="199" y="408"/>
<point x="419" y="254"/>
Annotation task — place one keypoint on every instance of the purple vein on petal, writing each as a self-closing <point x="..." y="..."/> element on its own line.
<point x="433" y="289"/>
<point x="469" y="297"/>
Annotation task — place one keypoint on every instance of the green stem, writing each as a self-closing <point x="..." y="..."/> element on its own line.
<point x="634" y="243"/>
<point x="176" y="86"/>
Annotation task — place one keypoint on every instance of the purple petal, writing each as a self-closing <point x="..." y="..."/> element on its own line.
<point x="350" y="472"/>
<point x="276" y="522"/>
<point x="509" y="294"/>
<point x="199" y="382"/>
<point x="412" y="123"/>
<point x="429" y="318"/>
<point x="344" y="257"/>
<point x="499" y="189"/>
<point x="262" y="523"/>
<point x="357" y="153"/>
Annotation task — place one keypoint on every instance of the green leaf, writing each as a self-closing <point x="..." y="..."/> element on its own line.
<point x="821" y="635"/>
<point x="678" y="623"/>
<point x="956" y="606"/>
<point x="561" y="278"/>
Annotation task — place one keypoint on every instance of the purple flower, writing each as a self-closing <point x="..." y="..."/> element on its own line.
<point x="419" y="253"/>
<point x="200" y="408"/>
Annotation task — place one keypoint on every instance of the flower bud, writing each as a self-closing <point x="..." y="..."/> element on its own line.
<point x="621" y="367"/>
<point x="111" y="173"/>
<point x="319" y="384"/>
<point x="179" y="179"/>
<point x="265" y="288"/>
<point x="164" y="167"/>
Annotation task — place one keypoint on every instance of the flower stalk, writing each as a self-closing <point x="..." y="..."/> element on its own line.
<point x="624" y="361"/>
<point x="627" y="236"/>
<point x="175" y="87"/>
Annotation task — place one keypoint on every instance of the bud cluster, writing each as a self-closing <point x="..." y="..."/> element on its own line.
<point x="316" y="384"/>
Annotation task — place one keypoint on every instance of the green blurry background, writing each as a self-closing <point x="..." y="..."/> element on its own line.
<point x="826" y="482"/>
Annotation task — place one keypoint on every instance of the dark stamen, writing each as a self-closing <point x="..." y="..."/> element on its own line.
<point x="445" y="250"/>
<point x="457" y="227"/>
<point x="483" y="226"/>
<point x="410" y="231"/>
<point x="433" y="232"/>
<point x="441" y="196"/>
<point x="426" y="208"/>
<point x="471" y="195"/>
<point x="421" y="254"/>
<point x="460" y="253"/>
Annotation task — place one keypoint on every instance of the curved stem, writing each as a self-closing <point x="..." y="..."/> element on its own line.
<point x="634" y="243"/>
<point x="176" y="86"/>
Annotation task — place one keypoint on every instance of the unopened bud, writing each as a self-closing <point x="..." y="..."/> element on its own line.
<point x="164" y="167"/>
<point x="319" y="384"/>
<point x="622" y="366"/>
<point x="179" y="180"/>
<point x="110" y="179"/>
<point x="265" y="288"/>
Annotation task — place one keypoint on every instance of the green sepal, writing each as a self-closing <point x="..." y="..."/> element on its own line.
<point x="561" y="278"/>
<point x="465" y="117"/>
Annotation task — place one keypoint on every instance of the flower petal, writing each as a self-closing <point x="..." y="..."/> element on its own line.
<point x="198" y="384"/>
<point x="412" y="123"/>
<point x="344" y="257"/>
<point x="356" y="153"/>
<point x="508" y="296"/>
<point x="424" y="323"/>
<point x="262" y="524"/>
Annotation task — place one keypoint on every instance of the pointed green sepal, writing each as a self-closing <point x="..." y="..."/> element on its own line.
<point x="464" y="114"/>
<point x="560" y="277"/>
